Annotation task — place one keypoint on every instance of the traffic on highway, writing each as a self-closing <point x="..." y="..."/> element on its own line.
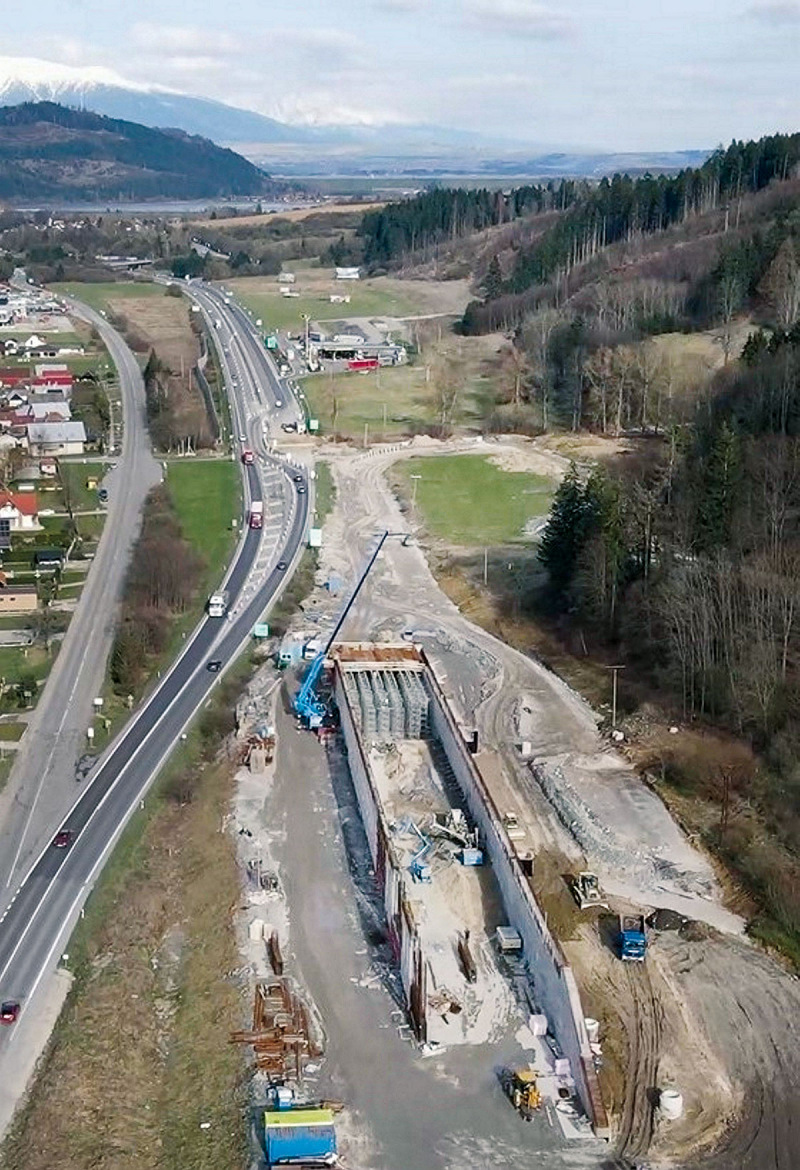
<point x="37" y="921"/>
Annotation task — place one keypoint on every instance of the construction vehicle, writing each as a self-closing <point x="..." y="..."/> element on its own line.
<point x="632" y="938"/>
<point x="308" y="704"/>
<point x="586" y="891"/>
<point x="521" y="1087"/>
<point x="514" y="830"/>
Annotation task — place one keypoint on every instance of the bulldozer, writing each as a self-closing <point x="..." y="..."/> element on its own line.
<point x="522" y="1090"/>
<point x="586" y="891"/>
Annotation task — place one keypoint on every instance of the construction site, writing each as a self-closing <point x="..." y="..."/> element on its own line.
<point x="465" y="929"/>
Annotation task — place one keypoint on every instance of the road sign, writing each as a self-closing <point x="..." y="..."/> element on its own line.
<point x="261" y="630"/>
<point x="271" y="341"/>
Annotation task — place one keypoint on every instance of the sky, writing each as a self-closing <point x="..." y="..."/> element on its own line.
<point x="588" y="74"/>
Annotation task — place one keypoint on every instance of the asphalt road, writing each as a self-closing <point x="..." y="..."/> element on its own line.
<point x="36" y="924"/>
<point x="42" y="781"/>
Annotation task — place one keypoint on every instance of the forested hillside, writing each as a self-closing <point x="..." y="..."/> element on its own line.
<point x="663" y="310"/>
<point x="51" y="152"/>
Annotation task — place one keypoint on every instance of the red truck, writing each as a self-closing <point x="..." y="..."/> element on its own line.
<point x="248" y="456"/>
<point x="363" y="364"/>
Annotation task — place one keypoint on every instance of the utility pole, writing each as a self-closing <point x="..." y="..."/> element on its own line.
<point x="615" y="669"/>
<point x="486" y="566"/>
<point x="416" y="479"/>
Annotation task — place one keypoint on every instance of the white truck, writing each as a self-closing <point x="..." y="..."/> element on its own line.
<point x="217" y="605"/>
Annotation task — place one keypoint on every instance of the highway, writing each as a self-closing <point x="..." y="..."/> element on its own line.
<point x="38" y="920"/>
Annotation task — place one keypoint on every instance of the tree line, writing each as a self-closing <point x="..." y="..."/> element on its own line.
<point x="448" y="213"/>
<point x="621" y="208"/>
<point x="685" y="565"/>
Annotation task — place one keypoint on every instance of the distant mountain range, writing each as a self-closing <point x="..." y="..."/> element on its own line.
<point x="51" y="152"/>
<point x="298" y="150"/>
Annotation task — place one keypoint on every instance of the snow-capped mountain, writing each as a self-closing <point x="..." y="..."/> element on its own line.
<point x="300" y="147"/>
<point x="104" y="91"/>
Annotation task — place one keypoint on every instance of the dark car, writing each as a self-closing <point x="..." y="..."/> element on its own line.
<point x="63" y="839"/>
<point x="281" y="566"/>
<point x="102" y="495"/>
<point x="297" y="478"/>
<point x="301" y="487"/>
<point x="9" y="1011"/>
<point x="215" y="665"/>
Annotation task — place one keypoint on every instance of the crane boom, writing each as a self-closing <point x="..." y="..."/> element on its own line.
<point x="307" y="704"/>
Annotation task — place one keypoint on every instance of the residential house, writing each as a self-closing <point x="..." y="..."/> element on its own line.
<point x="13" y="401"/>
<point x="51" y="410"/>
<point x="56" y="438"/>
<point x="21" y="509"/>
<point x="12" y="377"/>
<point x="56" y="383"/>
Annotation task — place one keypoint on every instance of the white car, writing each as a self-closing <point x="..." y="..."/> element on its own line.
<point x="279" y="402"/>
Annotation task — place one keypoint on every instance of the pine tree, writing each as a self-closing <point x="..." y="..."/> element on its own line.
<point x="565" y="534"/>
<point x="493" y="280"/>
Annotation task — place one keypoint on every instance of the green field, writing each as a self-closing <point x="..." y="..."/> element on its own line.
<point x="390" y="402"/>
<point x="466" y="500"/>
<point x="279" y="312"/>
<point x="207" y="497"/>
<point x="98" y="295"/>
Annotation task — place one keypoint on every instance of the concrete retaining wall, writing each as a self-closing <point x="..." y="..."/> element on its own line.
<point x="554" y="983"/>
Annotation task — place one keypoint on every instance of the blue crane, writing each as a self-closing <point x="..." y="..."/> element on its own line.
<point x="307" y="703"/>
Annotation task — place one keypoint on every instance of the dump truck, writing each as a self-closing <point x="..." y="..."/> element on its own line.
<point x="521" y="1087"/>
<point x="632" y="938"/>
<point x="586" y="891"/>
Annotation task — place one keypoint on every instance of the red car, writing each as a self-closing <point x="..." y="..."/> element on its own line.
<point x="9" y="1011"/>
<point x="63" y="839"/>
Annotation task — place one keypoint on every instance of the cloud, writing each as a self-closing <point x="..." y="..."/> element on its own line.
<point x="183" y="43"/>
<point x="776" y="11"/>
<point x="523" y="17"/>
<point x="400" y="5"/>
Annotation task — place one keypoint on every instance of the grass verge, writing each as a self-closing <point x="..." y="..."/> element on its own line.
<point x="140" y="1059"/>
<point x="206" y="495"/>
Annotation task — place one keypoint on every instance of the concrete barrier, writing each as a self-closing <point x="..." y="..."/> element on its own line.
<point x="555" y="989"/>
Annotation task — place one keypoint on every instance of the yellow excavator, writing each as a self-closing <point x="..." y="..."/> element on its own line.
<point x="522" y="1090"/>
